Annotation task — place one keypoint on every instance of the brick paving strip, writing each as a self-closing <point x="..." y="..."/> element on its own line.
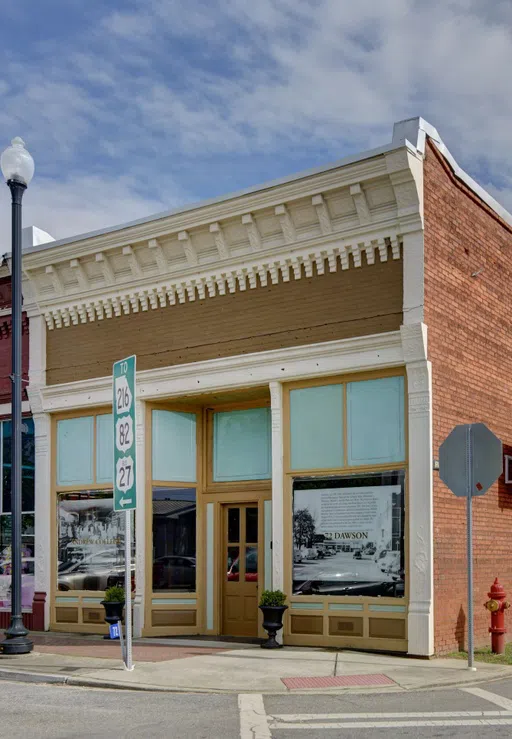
<point x="88" y="647"/>
<point x="340" y="681"/>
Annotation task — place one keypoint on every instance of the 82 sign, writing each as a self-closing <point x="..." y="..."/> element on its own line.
<point x="124" y="433"/>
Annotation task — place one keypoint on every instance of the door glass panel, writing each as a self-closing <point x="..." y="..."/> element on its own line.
<point x="234" y="524"/>
<point x="251" y="525"/>
<point x="251" y="564"/>
<point x="233" y="564"/>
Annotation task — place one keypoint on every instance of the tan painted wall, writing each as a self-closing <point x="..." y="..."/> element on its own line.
<point x="339" y="305"/>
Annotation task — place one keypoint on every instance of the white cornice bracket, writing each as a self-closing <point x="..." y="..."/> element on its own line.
<point x="56" y="279"/>
<point x="359" y="198"/>
<point x="252" y="231"/>
<point x="188" y="247"/>
<point x="132" y="261"/>
<point x="158" y="253"/>
<point x="106" y="268"/>
<point x="287" y="225"/>
<point x="322" y="212"/>
<point x="83" y="281"/>
<point x="220" y="240"/>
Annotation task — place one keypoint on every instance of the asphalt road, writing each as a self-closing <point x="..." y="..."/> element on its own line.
<point x="28" y="710"/>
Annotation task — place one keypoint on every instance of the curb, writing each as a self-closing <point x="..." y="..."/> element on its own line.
<point x="85" y="682"/>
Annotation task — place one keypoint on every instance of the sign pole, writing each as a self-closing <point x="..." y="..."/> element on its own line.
<point x="469" y="507"/>
<point x="128" y="588"/>
<point x="470" y="461"/>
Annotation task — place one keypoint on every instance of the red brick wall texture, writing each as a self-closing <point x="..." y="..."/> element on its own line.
<point x="5" y="345"/>
<point x="468" y="288"/>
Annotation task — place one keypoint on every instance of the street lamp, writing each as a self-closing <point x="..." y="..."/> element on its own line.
<point x="18" y="169"/>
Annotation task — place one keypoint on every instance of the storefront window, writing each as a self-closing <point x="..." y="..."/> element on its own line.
<point x="27" y="520"/>
<point x="242" y="445"/>
<point x="348" y="535"/>
<point x="27" y="553"/>
<point x="174" y="539"/>
<point x="90" y="542"/>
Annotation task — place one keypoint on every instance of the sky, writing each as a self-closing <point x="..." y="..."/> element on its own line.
<point x="132" y="107"/>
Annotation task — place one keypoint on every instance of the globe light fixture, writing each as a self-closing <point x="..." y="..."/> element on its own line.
<point x="16" y="163"/>
<point x="18" y="169"/>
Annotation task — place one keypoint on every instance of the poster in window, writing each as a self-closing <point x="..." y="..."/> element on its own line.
<point x="91" y="542"/>
<point x="348" y="537"/>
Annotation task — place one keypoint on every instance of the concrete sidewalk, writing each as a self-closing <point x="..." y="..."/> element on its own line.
<point x="195" y="666"/>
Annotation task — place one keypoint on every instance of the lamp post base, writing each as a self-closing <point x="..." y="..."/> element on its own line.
<point x="16" y="639"/>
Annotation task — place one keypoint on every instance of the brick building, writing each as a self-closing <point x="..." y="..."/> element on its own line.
<point x="302" y="348"/>
<point x="33" y="617"/>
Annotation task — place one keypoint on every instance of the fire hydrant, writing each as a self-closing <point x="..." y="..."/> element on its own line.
<point x="497" y="605"/>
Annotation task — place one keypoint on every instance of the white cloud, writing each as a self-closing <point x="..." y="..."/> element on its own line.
<point x="81" y="204"/>
<point x="140" y="97"/>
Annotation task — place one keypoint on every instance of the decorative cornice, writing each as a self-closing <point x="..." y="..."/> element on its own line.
<point x="345" y="217"/>
<point x="270" y="268"/>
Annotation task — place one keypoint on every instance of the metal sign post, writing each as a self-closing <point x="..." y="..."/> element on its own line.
<point x="470" y="461"/>
<point x="125" y="487"/>
<point x="469" y="515"/>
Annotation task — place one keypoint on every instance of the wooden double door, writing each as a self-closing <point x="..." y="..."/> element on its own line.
<point x="240" y="569"/>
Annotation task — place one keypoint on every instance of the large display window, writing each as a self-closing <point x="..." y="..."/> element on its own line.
<point x="27" y="519"/>
<point x="348" y="535"/>
<point x="91" y="539"/>
<point x="174" y="539"/>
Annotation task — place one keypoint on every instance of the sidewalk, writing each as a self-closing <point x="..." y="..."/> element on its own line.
<point x="195" y="666"/>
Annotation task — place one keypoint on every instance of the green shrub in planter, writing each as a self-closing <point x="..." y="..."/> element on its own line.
<point x="115" y="594"/>
<point x="272" y="599"/>
<point x="113" y="603"/>
<point x="272" y="606"/>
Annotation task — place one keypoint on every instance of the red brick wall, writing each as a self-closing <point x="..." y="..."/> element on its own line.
<point x="470" y="343"/>
<point x="5" y="345"/>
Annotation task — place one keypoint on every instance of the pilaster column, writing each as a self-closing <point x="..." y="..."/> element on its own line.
<point x="414" y="286"/>
<point x="44" y="506"/>
<point x="140" y="521"/>
<point x="420" y="500"/>
<point x="276" y="403"/>
<point x="44" y="503"/>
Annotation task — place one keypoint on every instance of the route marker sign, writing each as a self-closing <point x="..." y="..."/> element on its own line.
<point x="470" y="461"/>
<point x="125" y="493"/>
<point x="125" y="478"/>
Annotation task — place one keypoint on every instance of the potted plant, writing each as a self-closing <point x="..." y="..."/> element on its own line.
<point x="113" y="603"/>
<point x="272" y="606"/>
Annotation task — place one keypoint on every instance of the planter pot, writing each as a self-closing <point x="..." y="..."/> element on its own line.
<point x="272" y="622"/>
<point x="113" y="611"/>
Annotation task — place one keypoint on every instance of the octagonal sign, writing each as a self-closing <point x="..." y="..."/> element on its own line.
<point x="470" y="459"/>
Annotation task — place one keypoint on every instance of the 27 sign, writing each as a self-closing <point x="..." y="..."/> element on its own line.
<point x="125" y="493"/>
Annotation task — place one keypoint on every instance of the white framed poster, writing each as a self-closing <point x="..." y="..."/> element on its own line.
<point x="348" y="536"/>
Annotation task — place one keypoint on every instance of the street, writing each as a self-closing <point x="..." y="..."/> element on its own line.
<point x="66" y="712"/>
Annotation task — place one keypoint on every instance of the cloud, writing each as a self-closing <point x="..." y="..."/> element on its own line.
<point x="194" y="100"/>
<point x="78" y="205"/>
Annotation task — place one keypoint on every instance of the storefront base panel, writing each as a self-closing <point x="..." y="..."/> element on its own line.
<point x="28" y="621"/>
<point x="347" y="626"/>
<point x="365" y="644"/>
<point x="75" y="628"/>
<point x="78" y="613"/>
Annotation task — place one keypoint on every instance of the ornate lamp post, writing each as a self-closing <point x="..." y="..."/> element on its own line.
<point x="18" y="169"/>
